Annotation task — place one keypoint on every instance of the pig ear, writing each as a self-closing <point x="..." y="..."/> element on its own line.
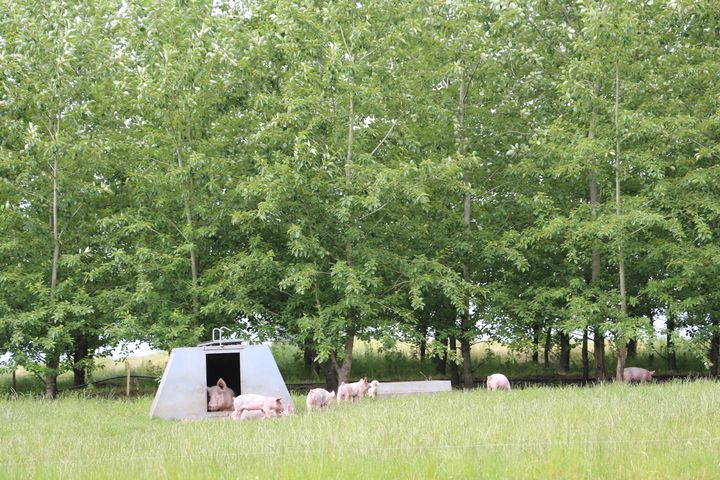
<point x="279" y="399"/>
<point x="221" y="383"/>
<point x="652" y="373"/>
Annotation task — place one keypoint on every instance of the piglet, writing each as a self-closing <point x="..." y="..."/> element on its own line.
<point x="260" y="415"/>
<point x="220" y="397"/>
<point x="354" y="391"/>
<point x="250" y="415"/>
<point x="637" y="374"/>
<point x="497" y="381"/>
<point x="252" y="401"/>
<point x="318" y="398"/>
<point x="373" y="390"/>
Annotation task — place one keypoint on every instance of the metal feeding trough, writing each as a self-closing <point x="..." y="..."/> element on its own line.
<point x="182" y="393"/>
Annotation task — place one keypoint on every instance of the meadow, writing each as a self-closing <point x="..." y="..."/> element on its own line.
<point x="667" y="430"/>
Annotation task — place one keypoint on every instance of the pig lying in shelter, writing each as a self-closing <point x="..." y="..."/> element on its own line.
<point x="220" y="397"/>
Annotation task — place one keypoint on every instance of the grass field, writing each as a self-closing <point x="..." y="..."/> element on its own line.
<point x="669" y="430"/>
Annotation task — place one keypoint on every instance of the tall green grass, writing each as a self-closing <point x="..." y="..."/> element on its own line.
<point x="652" y="431"/>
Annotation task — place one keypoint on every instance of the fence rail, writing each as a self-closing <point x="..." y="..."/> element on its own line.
<point x="517" y="382"/>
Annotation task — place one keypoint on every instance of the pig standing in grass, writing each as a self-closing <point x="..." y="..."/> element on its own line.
<point x="637" y="374"/>
<point x="318" y="398"/>
<point x="270" y="406"/>
<point x="373" y="390"/>
<point x="259" y="415"/>
<point x="220" y="397"/>
<point x="497" y="381"/>
<point x="354" y="391"/>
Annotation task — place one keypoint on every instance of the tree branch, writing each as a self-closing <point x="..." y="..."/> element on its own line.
<point x="384" y="138"/>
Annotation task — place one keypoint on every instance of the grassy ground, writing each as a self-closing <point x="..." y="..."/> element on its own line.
<point x="653" y="431"/>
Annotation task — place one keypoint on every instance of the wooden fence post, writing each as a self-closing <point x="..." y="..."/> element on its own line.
<point x="127" y="378"/>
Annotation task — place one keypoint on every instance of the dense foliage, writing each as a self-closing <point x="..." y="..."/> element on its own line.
<point x="319" y="171"/>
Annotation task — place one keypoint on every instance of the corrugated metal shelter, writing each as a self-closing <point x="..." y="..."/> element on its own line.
<point x="182" y="393"/>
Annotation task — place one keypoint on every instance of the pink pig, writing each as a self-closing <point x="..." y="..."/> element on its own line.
<point x="373" y="390"/>
<point x="497" y="381"/>
<point x="220" y="397"/>
<point x="250" y="415"/>
<point x="260" y="415"/>
<point x="637" y="374"/>
<point x="318" y="398"/>
<point x="252" y="401"/>
<point x="354" y="391"/>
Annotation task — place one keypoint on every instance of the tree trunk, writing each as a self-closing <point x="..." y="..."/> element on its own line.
<point x="465" y="348"/>
<point x="343" y="370"/>
<point x="715" y="346"/>
<point x="598" y="337"/>
<point x="536" y="344"/>
<point x="671" y="356"/>
<point x="441" y="361"/>
<point x="599" y="354"/>
<point x="80" y="354"/>
<point x="620" y="339"/>
<point x="465" y="322"/>
<point x="585" y="356"/>
<point x="51" y="364"/>
<point x="651" y="355"/>
<point x="309" y="355"/>
<point x="454" y="372"/>
<point x="423" y="347"/>
<point x="548" y="347"/>
<point x="632" y="348"/>
<point x="187" y="210"/>
<point x="331" y="378"/>
<point x="564" y="340"/>
<point x="52" y="361"/>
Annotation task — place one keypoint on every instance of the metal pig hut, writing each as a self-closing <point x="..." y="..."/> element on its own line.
<point x="182" y="393"/>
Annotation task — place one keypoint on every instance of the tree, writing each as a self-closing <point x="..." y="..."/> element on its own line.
<point x="56" y="76"/>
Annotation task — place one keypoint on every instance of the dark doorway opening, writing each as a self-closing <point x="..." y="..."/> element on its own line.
<point x="225" y="366"/>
